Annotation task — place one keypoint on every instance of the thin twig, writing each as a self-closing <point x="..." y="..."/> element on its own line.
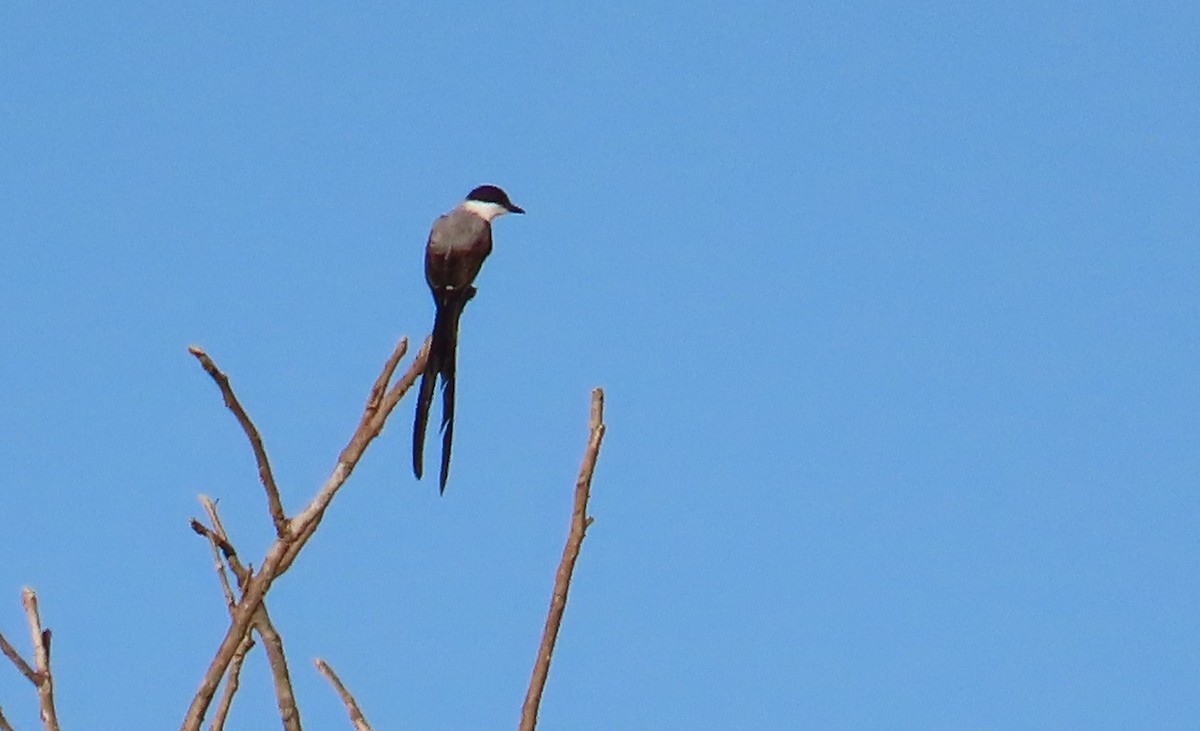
<point x="274" y="503"/>
<point x="380" y="387"/>
<point x="371" y="426"/>
<point x="218" y="539"/>
<point x="12" y="654"/>
<point x="232" y="681"/>
<point x="218" y="550"/>
<point x="285" y="697"/>
<point x="562" y="580"/>
<point x="356" y="715"/>
<point x="222" y="544"/>
<point x="4" y="724"/>
<point x="300" y="528"/>
<point x="223" y="551"/>
<point x="240" y="571"/>
<point x="378" y="408"/>
<point x="41" y="659"/>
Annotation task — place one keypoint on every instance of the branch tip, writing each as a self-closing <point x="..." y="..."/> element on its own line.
<point x="566" y="567"/>
<point x="291" y="534"/>
<point x="356" y="715"/>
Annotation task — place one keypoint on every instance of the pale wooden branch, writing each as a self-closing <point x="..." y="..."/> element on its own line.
<point x="356" y="715"/>
<point x="41" y="659"/>
<point x="232" y="680"/>
<point x="299" y="529"/>
<point x="274" y="502"/>
<point x="218" y="551"/>
<point x="22" y="666"/>
<point x="566" y="567"/>
<point x="4" y="724"/>
<point x="374" y="417"/>
<point x="222" y="547"/>
<point x="240" y="571"/>
<point x="285" y="697"/>
<point x="224" y="552"/>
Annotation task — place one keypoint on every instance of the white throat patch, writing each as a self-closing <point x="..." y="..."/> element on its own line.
<point x="486" y="211"/>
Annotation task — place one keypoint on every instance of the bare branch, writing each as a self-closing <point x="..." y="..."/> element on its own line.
<point x="291" y="540"/>
<point x="220" y="548"/>
<point x="241" y="572"/>
<point x="378" y="408"/>
<point x="231" y="684"/>
<point x="223" y="546"/>
<point x="4" y="724"/>
<point x="41" y="659"/>
<point x="285" y="697"/>
<point x="218" y="539"/>
<point x="562" y="580"/>
<point x="12" y="654"/>
<point x="371" y="426"/>
<point x="379" y="388"/>
<point x="356" y="715"/>
<point x="274" y="503"/>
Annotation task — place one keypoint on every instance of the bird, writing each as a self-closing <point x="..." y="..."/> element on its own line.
<point x="459" y="241"/>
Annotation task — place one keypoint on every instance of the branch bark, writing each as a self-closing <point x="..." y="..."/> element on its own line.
<point x="22" y="666"/>
<point x="274" y="502"/>
<point x="291" y="539"/>
<point x="566" y="567"/>
<point x="285" y="697"/>
<point x="356" y="715"/>
<point x="41" y="660"/>
<point x="248" y="612"/>
<point x="224" y="552"/>
<point x="232" y="681"/>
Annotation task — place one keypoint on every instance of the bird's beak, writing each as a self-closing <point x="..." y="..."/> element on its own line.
<point x="514" y="208"/>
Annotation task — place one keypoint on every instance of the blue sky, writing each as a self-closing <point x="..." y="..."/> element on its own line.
<point x="895" y="307"/>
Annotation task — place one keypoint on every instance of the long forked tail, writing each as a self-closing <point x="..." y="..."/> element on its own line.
<point x="442" y="359"/>
<point x="424" y="399"/>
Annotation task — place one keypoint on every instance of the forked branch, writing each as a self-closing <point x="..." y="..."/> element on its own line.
<point x="224" y="554"/>
<point x="39" y="673"/>
<point x="291" y="534"/>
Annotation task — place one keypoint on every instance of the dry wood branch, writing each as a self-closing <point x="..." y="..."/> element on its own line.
<point x="371" y="426"/>
<point x="232" y="681"/>
<point x="41" y="659"/>
<point x="274" y="503"/>
<point x="220" y="543"/>
<point x="222" y="551"/>
<point x="380" y="387"/>
<point x="380" y="406"/>
<point x="218" y="539"/>
<point x="285" y="697"/>
<point x="356" y="715"/>
<point x="566" y="567"/>
<point x="12" y="654"/>
<point x="4" y="724"/>
<point x="299" y="529"/>
<point x="240" y="571"/>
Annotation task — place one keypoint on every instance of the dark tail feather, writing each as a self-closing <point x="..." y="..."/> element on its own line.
<point x="447" y="324"/>
<point x="441" y="363"/>
<point x="447" y="422"/>
<point x="424" y="401"/>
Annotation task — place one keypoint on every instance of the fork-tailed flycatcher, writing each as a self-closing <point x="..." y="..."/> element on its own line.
<point x="458" y="243"/>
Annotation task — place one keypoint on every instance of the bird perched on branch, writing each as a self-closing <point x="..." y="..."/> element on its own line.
<point x="458" y="243"/>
